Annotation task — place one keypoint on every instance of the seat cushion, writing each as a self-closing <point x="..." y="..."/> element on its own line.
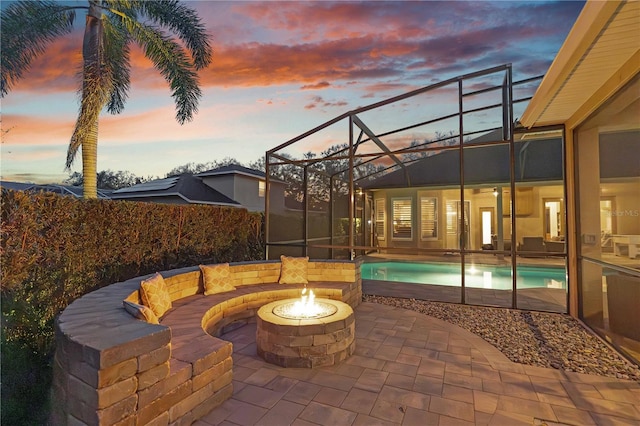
<point x="217" y="278"/>
<point x="155" y="295"/>
<point x="294" y="270"/>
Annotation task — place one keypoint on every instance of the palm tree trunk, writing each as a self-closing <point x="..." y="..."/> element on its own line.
<point x="89" y="163"/>
<point x="92" y="101"/>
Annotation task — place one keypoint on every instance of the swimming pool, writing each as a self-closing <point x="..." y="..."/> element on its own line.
<point x="476" y="276"/>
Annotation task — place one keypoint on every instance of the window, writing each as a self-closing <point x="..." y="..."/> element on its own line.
<point x="261" y="188"/>
<point x="428" y="218"/>
<point x="380" y="219"/>
<point x="402" y="219"/>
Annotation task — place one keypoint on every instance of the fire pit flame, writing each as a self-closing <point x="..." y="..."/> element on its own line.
<point x="306" y="305"/>
<point x="304" y="308"/>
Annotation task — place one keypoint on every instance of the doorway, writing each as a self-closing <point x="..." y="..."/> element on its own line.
<point x="487" y="225"/>
<point x="553" y="219"/>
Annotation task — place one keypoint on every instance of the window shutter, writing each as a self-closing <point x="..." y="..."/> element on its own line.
<point x="402" y="219"/>
<point x="380" y="219"/>
<point x="428" y="218"/>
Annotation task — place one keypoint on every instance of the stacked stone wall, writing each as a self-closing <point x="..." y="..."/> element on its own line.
<point x="112" y="369"/>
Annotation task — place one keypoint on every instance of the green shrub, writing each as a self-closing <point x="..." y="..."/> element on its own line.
<point x="55" y="249"/>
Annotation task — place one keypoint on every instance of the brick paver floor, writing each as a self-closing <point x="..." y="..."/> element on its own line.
<point x="412" y="369"/>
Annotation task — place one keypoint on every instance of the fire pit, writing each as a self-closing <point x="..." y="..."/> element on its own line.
<point x="305" y="332"/>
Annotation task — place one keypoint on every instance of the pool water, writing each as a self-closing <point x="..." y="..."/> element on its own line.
<point x="476" y="276"/>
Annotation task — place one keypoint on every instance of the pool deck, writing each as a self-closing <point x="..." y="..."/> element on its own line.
<point x="536" y="299"/>
<point x="412" y="369"/>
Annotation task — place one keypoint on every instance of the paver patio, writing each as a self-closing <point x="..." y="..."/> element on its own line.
<point x="412" y="369"/>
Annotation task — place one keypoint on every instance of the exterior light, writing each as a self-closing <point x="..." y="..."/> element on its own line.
<point x="495" y="192"/>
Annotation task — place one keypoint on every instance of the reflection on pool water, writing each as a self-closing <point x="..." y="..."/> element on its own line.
<point x="476" y="276"/>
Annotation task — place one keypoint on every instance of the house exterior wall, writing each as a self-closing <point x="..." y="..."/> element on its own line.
<point x="246" y="192"/>
<point x="530" y="224"/>
<point x="221" y="183"/>
<point x="243" y="189"/>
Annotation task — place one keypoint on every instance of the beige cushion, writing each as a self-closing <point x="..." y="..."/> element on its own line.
<point x="294" y="270"/>
<point x="217" y="278"/>
<point x="155" y="295"/>
<point x="140" y="312"/>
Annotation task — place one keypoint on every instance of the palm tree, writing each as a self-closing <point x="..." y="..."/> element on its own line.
<point x="170" y="34"/>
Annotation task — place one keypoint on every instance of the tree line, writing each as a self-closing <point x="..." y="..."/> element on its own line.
<point x="326" y="171"/>
<point x="109" y="179"/>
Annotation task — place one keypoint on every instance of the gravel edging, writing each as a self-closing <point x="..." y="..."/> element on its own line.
<point x="526" y="337"/>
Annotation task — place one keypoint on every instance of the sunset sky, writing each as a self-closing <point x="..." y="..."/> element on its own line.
<point x="279" y="69"/>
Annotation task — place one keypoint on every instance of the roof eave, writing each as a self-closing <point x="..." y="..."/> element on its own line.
<point x="213" y="203"/>
<point x="595" y="16"/>
<point x="174" y="194"/>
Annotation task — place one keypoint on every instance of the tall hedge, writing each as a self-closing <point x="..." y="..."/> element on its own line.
<point x="54" y="249"/>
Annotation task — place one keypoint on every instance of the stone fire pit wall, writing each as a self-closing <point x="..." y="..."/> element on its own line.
<point x="112" y="369"/>
<point x="306" y="343"/>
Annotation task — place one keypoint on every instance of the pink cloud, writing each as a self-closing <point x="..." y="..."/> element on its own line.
<point x="320" y="44"/>
<point x="34" y="130"/>
<point x="54" y="71"/>
<point x="318" y="101"/>
<point x="321" y="85"/>
<point x="337" y="20"/>
<point x="387" y="87"/>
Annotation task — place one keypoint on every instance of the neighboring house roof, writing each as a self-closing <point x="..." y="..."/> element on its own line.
<point x="600" y="55"/>
<point x="16" y="186"/>
<point x="233" y="169"/>
<point x="188" y="187"/>
<point x="539" y="160"/>
<point x="238" y="170"/>
<point x="75" y="191"/>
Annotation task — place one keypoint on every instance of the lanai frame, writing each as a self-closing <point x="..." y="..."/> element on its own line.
<point x="274" y="158"/>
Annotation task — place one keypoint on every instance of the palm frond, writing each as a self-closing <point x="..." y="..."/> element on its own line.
<point x="27" y="28"/>
<point x="117" y="58"/>
<point x="180" y="19"/>
<point x="173" y="63"/>
<point x="90" y="108"/>
<point x="95" y="94"/>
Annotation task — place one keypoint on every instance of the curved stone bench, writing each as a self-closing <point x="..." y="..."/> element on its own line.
<point x="110" y="368"/>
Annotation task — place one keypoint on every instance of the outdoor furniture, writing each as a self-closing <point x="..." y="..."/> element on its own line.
<point x="626" y="244"/>
<point x="506" y="243"/>
<point x="111" y="368"/>
<point x="531" y="244"/>
<point x="554" y="246"/>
